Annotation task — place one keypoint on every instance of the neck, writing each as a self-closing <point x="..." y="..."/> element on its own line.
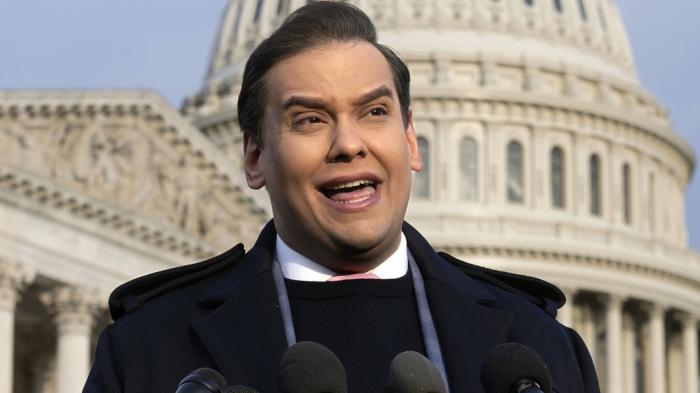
<point x="345" y="259"/>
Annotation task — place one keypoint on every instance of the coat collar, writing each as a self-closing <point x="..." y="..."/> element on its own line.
<point x="244" y="334"/>
<point x="466" y="325"/>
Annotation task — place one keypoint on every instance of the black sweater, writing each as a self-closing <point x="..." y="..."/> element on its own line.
<point x="364" y="322"/>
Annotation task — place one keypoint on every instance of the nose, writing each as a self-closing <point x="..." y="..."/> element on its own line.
<point x="347" y="143"/>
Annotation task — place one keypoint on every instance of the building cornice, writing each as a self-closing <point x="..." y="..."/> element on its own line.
<point x="607" y="271"/>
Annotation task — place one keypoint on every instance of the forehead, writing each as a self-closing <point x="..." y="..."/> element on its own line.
<point x="334" y="72"/>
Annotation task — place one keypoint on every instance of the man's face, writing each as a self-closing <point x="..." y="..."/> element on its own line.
<point x="337" y="158"/>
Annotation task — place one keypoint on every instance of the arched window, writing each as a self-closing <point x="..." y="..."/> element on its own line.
<point x="558" y="182"/>
<point x="468" y="170"/>
<point x="558" y="6"/>
<point x="514" y="179"/>
<point x="582" y="9"/>
<point x="594" y="186"/>
<point x="529" y="3"/>
<point x="626" y="197"/>
<point x="422" y="179"/>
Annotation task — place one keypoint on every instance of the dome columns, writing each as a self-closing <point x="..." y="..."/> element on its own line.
<point x="246" y="37"/>
<point x="614" y="344"/>
<point x="631" y="339"/>
<point x="565" y="315"/>
<point x="518" y="18"/>
<point x="689" y="333"/>
<point x="266" y="24"/>
<point x="629" y="352"/>
<point x="656" y="343"/>
<point x="74" y="309"/>
<point x="13" y="278"/>
<point x="571" y="18"/>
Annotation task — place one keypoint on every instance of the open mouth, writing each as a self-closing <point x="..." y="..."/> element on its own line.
<point x="350" y="192"/>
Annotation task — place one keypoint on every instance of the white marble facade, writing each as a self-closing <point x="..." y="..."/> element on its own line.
<point x="545" y="157"/>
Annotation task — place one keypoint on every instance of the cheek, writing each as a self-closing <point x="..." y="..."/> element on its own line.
<point x="397" y="157"/>
<point x="295" y="163"/>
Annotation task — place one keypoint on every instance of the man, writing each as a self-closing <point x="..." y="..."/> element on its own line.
<point x="328" y="132"/>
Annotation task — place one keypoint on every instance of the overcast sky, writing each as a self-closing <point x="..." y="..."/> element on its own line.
<point x="165" y="45"/>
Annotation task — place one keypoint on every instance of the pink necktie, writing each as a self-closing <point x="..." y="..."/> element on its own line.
<point x="358" y="276"/>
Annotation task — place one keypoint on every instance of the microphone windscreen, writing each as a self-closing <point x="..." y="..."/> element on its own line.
<point x="240" y="389"/>
<point x="510" y="363"/>
<point x="309" y="367"/>
<point x="203" y="380"/>
<point x="412" y="372"/>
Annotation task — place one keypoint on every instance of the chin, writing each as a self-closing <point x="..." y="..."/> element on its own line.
<point x="363" y="241"/>
<point x="356" y="246"/>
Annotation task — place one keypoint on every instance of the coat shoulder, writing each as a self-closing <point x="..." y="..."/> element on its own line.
<point x="135" y="293"/>
<point x="539" y="292"/>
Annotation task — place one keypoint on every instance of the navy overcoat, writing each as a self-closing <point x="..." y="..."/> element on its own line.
<point x="224" y="314"/>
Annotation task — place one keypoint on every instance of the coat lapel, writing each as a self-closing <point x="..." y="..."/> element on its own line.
<point x="466" y="326"/>
<point x="245" y="334"/>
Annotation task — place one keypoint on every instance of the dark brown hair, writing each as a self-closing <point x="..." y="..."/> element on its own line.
<point x="313" y="25"/>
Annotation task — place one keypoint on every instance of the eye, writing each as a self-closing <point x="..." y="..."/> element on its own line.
<point x="306" y="122"/>
<point x="309" y="120"/>
<point x="377" y="111"/>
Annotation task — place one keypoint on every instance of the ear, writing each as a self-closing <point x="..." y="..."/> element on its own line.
<point x="251" y="152"/>
<point x="412" y="140"/>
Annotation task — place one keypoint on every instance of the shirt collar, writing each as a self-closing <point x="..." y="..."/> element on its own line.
<point x="298" y="267"/>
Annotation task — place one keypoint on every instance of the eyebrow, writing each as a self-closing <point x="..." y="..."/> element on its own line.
<point x="381" y="91"/>
<point x="307" y="102"/>
<point x="317" y="103"/>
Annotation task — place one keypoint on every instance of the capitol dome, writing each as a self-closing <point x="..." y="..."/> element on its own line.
<point x="544" y="155"/>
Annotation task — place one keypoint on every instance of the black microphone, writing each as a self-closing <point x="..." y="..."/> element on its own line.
<point x="202" y="380"/>
<point x="240" y="389"/>
<point x="309" y="367"/>
<point x="411" y="372"/>
<point x="514" y="368"/>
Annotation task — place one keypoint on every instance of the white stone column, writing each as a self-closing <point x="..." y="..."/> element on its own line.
<point x="74" y="309"/>
<point x="268" y="16"/>
<point x="593" y="22"/>
<point x="629" y="348"/>
<point x="13" y="277"/>
<point x="674" y="363"/>
<point x="518" y="15"/>
<point x="573" y="21"/>
<point x="656" y="350"/>
<point x="613" y="338"/>
<point x="588" y="331"/>
<point x="565" y="315"/>
<point x="690" y="353"/>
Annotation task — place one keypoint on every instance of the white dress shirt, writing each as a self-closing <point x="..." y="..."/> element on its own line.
<point x="298" y="267"/>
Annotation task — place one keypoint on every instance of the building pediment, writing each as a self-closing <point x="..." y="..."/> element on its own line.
<point x="127" y="161"/>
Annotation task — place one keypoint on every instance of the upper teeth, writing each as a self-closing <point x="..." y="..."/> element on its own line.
<point x="351" y="184"/>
